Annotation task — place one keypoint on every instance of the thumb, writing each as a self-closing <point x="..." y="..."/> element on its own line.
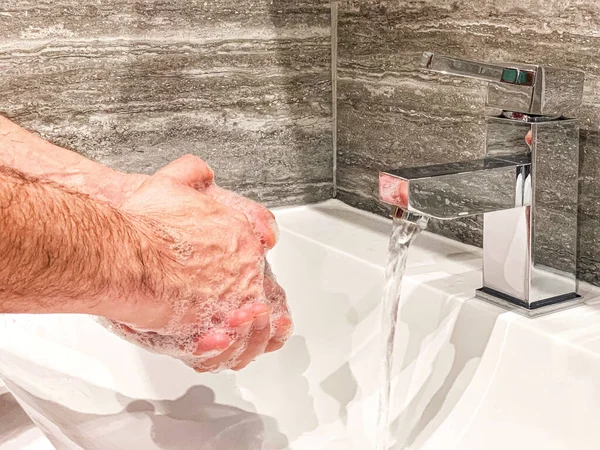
<point x="188" y="170"/>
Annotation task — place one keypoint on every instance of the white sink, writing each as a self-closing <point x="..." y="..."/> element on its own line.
<point x="469" y="375"/>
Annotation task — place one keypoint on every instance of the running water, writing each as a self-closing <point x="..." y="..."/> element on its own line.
<point x="403" y="233"/>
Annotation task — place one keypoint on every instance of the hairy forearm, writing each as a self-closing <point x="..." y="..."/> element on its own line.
<point x="62" y="251"/>
<point x="30" y="154"/>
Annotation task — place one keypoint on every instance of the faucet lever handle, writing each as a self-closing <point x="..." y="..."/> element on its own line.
<point x="522" y="74"/>
<point x="524" y="88"/>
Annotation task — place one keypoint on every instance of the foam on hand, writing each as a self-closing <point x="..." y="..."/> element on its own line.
<point x="189" y="342"/>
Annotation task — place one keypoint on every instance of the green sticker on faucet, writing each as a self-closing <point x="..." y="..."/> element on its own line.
<point x="510" y="75"/>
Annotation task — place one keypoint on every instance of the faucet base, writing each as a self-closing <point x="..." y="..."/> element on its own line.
<point x="534" y="309"/>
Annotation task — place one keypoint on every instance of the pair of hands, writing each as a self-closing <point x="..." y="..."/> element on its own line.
<point x="215" y="303"/>
<point x="208" y="296"/>
<point x="226" y="308"/>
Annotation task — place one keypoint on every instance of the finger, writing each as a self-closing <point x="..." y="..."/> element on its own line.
<point x="275" y="294"/>
<point x="261" y="219"/>
<point x="274" y="345"/>
<point x="259" y="338"/>
<point x="213" y="341"/>
<point x="241" y="321"/>
<point x="189" y="170"/>
<point x="283" y="329"/>
<point x="239" y="317"/>
<point x="283" y="324"/>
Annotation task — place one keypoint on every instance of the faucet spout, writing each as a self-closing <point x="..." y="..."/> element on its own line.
<point x="454" y="190"/>
<point x="407" y="216"/>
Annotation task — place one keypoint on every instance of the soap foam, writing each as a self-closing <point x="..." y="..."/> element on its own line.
<point x="181" y="341"/>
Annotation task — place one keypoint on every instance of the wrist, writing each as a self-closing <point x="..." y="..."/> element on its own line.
<point x="102" y="183"/>
<point x="28" y="153"/>
<point x="147" y="262"/>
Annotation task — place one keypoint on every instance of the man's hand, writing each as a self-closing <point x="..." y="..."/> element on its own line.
<point x="217" y="304"/>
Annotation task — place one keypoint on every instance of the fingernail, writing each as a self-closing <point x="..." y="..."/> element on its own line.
<point x="259" y="308"/>
<point x="261" y="321"/>
<point x="208" y="354"/>
<point x="239" y="317"/>
<point x="213" y="342"/>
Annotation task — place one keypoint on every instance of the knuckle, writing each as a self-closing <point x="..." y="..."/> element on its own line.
<point x="193" y="163"/>
<point x="239" y="217"/>
<point x="189" y="158"/>
<point x="196" y="162"/>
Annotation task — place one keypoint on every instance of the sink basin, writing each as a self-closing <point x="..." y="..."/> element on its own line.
<point x="468" y="375"/>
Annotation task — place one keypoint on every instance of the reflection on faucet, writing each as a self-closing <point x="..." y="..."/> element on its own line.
<point x="454" y="190"/>
<point x="13" y="420"/>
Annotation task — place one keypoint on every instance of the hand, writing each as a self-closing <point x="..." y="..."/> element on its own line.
<point x="218" y="305"/>
<point x="120" y="186"/>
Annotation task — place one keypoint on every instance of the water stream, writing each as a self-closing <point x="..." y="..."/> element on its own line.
<point x="403" y="233"/>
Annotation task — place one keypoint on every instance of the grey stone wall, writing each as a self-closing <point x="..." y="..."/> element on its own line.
<point x="244" y="84"/>
<point x="391" y="114"/>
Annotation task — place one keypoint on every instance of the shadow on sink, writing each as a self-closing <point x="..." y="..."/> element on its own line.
<point x="192" y="421"/>
<point x="195" y="421"/>
<point x="13" y="420"/>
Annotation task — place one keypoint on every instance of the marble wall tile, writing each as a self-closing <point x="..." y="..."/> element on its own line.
<point x="390" y="113"/>
<point x="244" y="84"/>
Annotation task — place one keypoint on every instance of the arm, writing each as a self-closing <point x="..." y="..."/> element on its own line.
<point x="30" y="154"/>
<point x="63" y="252"/>
<point x="25" y="152"/>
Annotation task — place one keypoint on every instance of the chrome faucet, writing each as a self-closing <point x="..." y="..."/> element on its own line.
<point x="526" y="186"/>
